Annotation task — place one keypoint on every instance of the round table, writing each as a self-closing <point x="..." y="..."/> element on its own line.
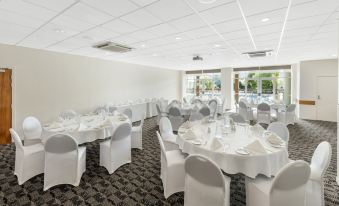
<point x="86" y="128"/>
<point x="226" y="157"/>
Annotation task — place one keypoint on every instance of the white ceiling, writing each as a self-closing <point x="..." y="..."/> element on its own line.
<point x="167" y="33"/>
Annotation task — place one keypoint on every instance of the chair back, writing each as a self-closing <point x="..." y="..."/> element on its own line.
<point x="60" y="144"/>
<point x="162" y="147"/>
<point x="100" y="109"/>
<point x="279" y="129"/>
<point x="184" y="100"/>
<point x="237" y="118"/>
<point x="32" y="128"/>
<point x="196" y="101"/>
<point x="158" y="109"/>
<point x="122" y="131"/>
<point x="16" y="139"/>
<point x="213" y="105"/>
<point x="111" y="109"/>
<point x="205" y="111"/>
<point x="289" y="185"/>
<point x="242" y="105"/>
<point x="128" y="113"/>
<point x="165" y="126"/>
<point x="174" y="111"/>
<point x="195" y="116"/>
<point x="264" y="107"/>
<point x="321" y="159"/>
<point x="68" y="114"/>
<point x="204" y="182"/>
<point x="291" y="108"/>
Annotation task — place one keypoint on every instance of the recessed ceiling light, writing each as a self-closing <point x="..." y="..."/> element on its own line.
<point x="265" y="19"/>
<point x="207" y="1"/>
<point x="216" y="45"/>
<point x="154" y="55"/>
<point x="59" y="31"/>
<point x="143" y="45"/>
<point x="177" y="38"/>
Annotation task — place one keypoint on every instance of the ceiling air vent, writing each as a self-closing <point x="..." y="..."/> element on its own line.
<point x="254" y="54"/>
<point x="113" y="47"/>
<point x="197" y="58"/>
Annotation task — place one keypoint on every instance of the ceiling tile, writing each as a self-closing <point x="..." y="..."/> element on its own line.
<point x="11" y="33"/>
<point x="236" y="34"/>
<point x="66" y="22"/>
<point x="100" y="34"/>
<point x="312" y="8"/>
<point x="188" y="23"/>
<point x="230" y="26"/>
<point x="53" y="5"/>
<point x="272" y="28"/>
<point x="143" y="2"/>
<point x="169" y="9"/>
<point x="120" y="26"/>
<point x="251" y="7"/>
<point x="115" y="8"/>
<point x="201" y="32"/>
<point x="196" y="4"/>
<point x="162" y="30"/>
<point x="223" y="13"/>
<point x="20" y="20"/>
<point x="141" y="19"/>
<point x="277" y="16"/>
<point x="314" y="21"/>
<point x="142" y="35"/>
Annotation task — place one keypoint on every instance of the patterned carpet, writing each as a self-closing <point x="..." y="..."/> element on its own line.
<point x="138" y="183"/>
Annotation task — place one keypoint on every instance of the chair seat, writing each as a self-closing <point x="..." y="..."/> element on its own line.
<point x="34" y="148"/>
<point x="175" y="157"/>
<point x="170" y="138"/>
<point x="262" y="183"/>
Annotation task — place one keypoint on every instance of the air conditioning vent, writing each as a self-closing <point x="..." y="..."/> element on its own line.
<point x="197" y="58"/>
<point x="113" y="47"/>
<point x="255" y="54"/>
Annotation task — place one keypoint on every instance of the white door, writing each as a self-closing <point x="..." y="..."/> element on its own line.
<point x="326" y="102"/>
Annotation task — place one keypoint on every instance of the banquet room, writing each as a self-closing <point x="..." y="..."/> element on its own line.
<point x="169" y="102"/>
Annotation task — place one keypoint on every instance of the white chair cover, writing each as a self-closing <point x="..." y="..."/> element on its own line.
<point x="172" y="171"/>
<point x="128" y="113"/>
<point x="65" y="162"/>
<point x="116" y="151"/>
<point x="32" y="130"/>
<point x="205" y="111"/>
<point x="263" y="113"/>
<point x="68" y="114"/>
<point x="204" y="183"/>
<point x="245" y="111"/>
<point x="288" y="187"/>
<point x="288" y="116"/>
<point x="29" y="160"/>
<point x="111" y="109"/>
<point x="280" y="129"/>
<point x="195" y="116"/>
<point x="213" y="105"/>
<point x="175" y="117"/>
<point x="237" y="118"/>
<point x="100" y="109"/>
<point x="136" y="136"/>
<point x="319" y="164"/>
<point x="160" y="113"/>
<point x="196" y="101"/>
<point x="166" y="132"/>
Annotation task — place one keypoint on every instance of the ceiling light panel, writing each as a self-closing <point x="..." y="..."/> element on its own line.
<point x="168" y="10"/>
<point x="115" y="8"/>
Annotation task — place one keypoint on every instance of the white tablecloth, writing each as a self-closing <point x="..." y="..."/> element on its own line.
<point x="94" y="127"/>
<point x="138" y="110"/>
<point x="227" y="158"/>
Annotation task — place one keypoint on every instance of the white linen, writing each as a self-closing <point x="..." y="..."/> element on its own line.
<point x="228" y="159"/>
<point x="274" y="139"/>
<point x="256" y="147"/>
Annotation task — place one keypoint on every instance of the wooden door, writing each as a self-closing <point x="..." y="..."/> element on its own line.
<point x="5" y="105"/>
<point x="327" y="98"/>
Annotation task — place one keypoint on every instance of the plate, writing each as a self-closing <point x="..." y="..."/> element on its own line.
<point x="242" y="151"/>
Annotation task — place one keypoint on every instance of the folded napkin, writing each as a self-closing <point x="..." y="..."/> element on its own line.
<point x="82" y="127"/>
<point x="107" y="123"/>
<point x="256" y="147"/>
<point x="187" y="125"/>
<point x="215" y="144"/>
<point x="274" y="139"/>
<point x="190" y="135"/>
<point x="55" y="125"/>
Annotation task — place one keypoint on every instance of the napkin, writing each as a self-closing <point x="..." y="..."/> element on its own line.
<point x="215" y="144"/>
<point x="256" y="147"/>
<point x="274" y="139"/>
<point x="82" y="127"/>
<point x="107" y="123"/>
<point x="55" y="125"/>
<point x="190" y="135"/>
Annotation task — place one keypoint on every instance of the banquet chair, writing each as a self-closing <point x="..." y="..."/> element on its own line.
<point x="195" y="116"/>
<point x="68" y="114"/>
<point x="160" y="114"/>
<point x="286" y="188"/>
<point x="184" y="100"/>
<point x="136" y="135"/>
<point x="319" y="164"/>
<point x="100" y="109"/>
<point x="245" y="111"/>
<point x="166" y="131"/>
<point x="65" y="162"/>
<point x="172" y="172"/>
<point x="213" y="105"/>
<point x="116" y="151"/>
<point x="263" y="113"/>
<point x="204" y="183"/>
<point x="280" y="129"/>
<point x="175" y="117"/>
<point x="237" y="118"/>
<point x="288" y="116"/>
<point x="29" y="160"/>
<point x="196" y="101"/>
<point x="128" y="113"/>
<point x="32" y="131"/>
<point x="205" y="111"/>
<point x="111" y="109"/>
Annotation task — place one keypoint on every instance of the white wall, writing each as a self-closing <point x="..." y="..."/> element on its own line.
<point x="227" y="86"/>
<point x="45" y="83"/>
<point x="309" y="71"/>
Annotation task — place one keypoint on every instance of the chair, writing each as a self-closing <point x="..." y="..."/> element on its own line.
<point x="288" y="116"/>
<point x="196" y="101"/>
<point x="184" y="100"/>
<point x="128" y="113"/>
<point x="286" y="188"/>
<point x="136" y="135"/>
<point x="166" y="131"/>
<point x="160" y="114"/>
<point x="116" y="151"/>
<point x="319" y="164"/>
<point x="172" y="171"/>
<point x="111" y="109"/>
<point x="100" y="109"/>
<point x="263" y="113"/>
<point x="195" y="116"/>
<point x="65" y="162"/>
<point x="245" y="111"/>
<point x="237" y="118"/>
<point x="204" y="183"/>
<point x="68" y="114"/>
<point x="205" y="111"/>
<point x="32" y="131"/>
<point x="175" y="117"/>
<point x="280" y="129"/>
<point x="213" y="105"/>
<point x="29" y="160"/>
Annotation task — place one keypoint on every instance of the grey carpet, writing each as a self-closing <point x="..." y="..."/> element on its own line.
<point x="138" y="183"/>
